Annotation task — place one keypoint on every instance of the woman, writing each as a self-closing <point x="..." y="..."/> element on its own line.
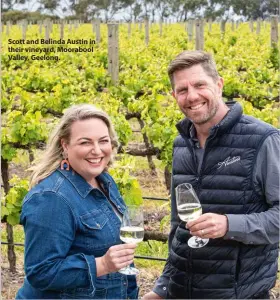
<point x="72" y="215"/>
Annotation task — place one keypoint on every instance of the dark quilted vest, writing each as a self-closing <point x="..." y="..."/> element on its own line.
<point x="223" y="269"/>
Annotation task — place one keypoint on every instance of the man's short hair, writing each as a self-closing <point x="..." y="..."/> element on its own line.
<point x="187" y="59"/>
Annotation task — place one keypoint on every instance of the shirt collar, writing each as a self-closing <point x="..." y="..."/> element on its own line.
<point x="80" y="184"/>
<point x="193" y="136"/>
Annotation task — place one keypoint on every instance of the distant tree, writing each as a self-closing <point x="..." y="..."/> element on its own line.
<point x="7" y="5"/>
<point x="110" y="7"/>
<point x="183" y="9"/>
<point x="254" y="9"/>
<point x="134" y="10"/>
<point x="250" y="9"/>
<point x="163" y="8"/>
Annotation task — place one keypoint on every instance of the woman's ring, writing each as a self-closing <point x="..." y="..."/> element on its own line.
<point x="202" y="232"/>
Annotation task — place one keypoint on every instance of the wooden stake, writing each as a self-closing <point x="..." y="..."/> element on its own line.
<point x="97" y="31"/>
<point x="40" y="27"/>
<point x="147" y="37"/>
<point x="223" y="26"/>
<point x="24" y="29"/>
<point x="199" y="36"/>
<point x="129" y="30"/>
<point x="62" y="29"/>
<point x="190" y="30"/>
<point x="251" y="24"/>
<point x="8" y="28"/>
<point x="210" y="25"/>
<point x="47" y="29"/>
<point x="274" y="31"/>
<point x="258" y="26"/>
<point x="113" y="52"/>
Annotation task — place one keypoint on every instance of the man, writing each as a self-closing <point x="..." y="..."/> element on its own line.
<point x="232" y="161"/>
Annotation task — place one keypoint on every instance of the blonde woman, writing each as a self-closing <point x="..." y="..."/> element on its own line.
<point x="72" y="215"/>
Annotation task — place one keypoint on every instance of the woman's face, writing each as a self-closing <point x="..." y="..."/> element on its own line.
<point x="89" y="149"/>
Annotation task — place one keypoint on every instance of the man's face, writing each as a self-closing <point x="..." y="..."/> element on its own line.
<point x="197" y="94"/>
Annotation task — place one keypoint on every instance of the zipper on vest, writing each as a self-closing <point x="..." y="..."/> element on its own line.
<point x="191" y="275"/>
<point x="198" y="179"/>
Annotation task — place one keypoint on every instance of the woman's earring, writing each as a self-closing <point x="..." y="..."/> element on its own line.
<point x="64" y="165"/>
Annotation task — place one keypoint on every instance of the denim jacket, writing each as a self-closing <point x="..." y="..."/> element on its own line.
<point x="67" y="224"/>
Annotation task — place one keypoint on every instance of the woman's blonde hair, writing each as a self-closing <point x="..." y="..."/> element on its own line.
<point x="53" y="154"/>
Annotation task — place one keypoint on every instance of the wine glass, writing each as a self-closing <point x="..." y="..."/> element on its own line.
<point x="132" y="231"/>
<point x="189" y="208"/>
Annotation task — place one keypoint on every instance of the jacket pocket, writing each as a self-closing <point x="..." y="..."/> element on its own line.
<point x="94" y="219"/>
<point x="98" y="233"/>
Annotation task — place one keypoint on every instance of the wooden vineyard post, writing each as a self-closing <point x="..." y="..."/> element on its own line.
<point x="190" y="30"/>
<point x="113" y="52"/>
<point x="62" y="29"/>
<point x="9" y="228"/>
<point x="51" y="26"/>
<point x="8" y="28"/>
<point x="129" y="30"/>
<point x="258" y="26"/>
<point x="210" y="25"/>
<point x="274" y="31"/>
<point x="199" y="34"/>
<point x="97" y="31"/>
<point x="40" y="26"/>
<point x="160" y="27"/>
<point x="251" y="24"/>
<point x="147" y="36"/>
<point x="24" y="29"/>
<point x="232" y="25"/>
<point x="47" y="29"/>
<point x="76" y="24"/>
<point x="223" y="27"/>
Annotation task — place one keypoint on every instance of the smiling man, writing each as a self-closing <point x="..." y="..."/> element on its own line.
<point x="232" y="161"/>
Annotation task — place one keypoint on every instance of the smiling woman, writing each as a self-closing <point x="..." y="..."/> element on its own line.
<point x="89" y="151"/>
<point x="72" y="215"/>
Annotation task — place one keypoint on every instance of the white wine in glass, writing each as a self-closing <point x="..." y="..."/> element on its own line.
<point x="189" y="208"/>
<point x="132" y="231"/>
<point x="132" y="234"/>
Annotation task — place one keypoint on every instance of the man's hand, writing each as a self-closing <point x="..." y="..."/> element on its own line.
<point x="150" y="296"/>
<point x="209" y="226"/>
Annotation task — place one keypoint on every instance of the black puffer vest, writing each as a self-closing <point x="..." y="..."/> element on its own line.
<point x="223" y="269"/>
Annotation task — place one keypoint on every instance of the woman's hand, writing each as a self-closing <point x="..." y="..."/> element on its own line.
<point x="117" y="257"/>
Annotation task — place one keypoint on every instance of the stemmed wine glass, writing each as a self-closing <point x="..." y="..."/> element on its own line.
<point x="132" y="231"/>
<point x="189" y="208"/>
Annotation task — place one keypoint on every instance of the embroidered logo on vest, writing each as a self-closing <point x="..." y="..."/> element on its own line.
<point x="228" y="161"/>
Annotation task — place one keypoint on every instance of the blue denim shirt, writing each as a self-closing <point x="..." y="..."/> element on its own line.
<point x="67" y="224"/>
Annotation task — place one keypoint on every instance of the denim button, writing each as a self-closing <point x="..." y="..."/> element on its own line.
<point x="164" y="288"/>
<point x="124" y="283"/>
<point x="98" y="225"/>
<point x="118" y="206"/>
